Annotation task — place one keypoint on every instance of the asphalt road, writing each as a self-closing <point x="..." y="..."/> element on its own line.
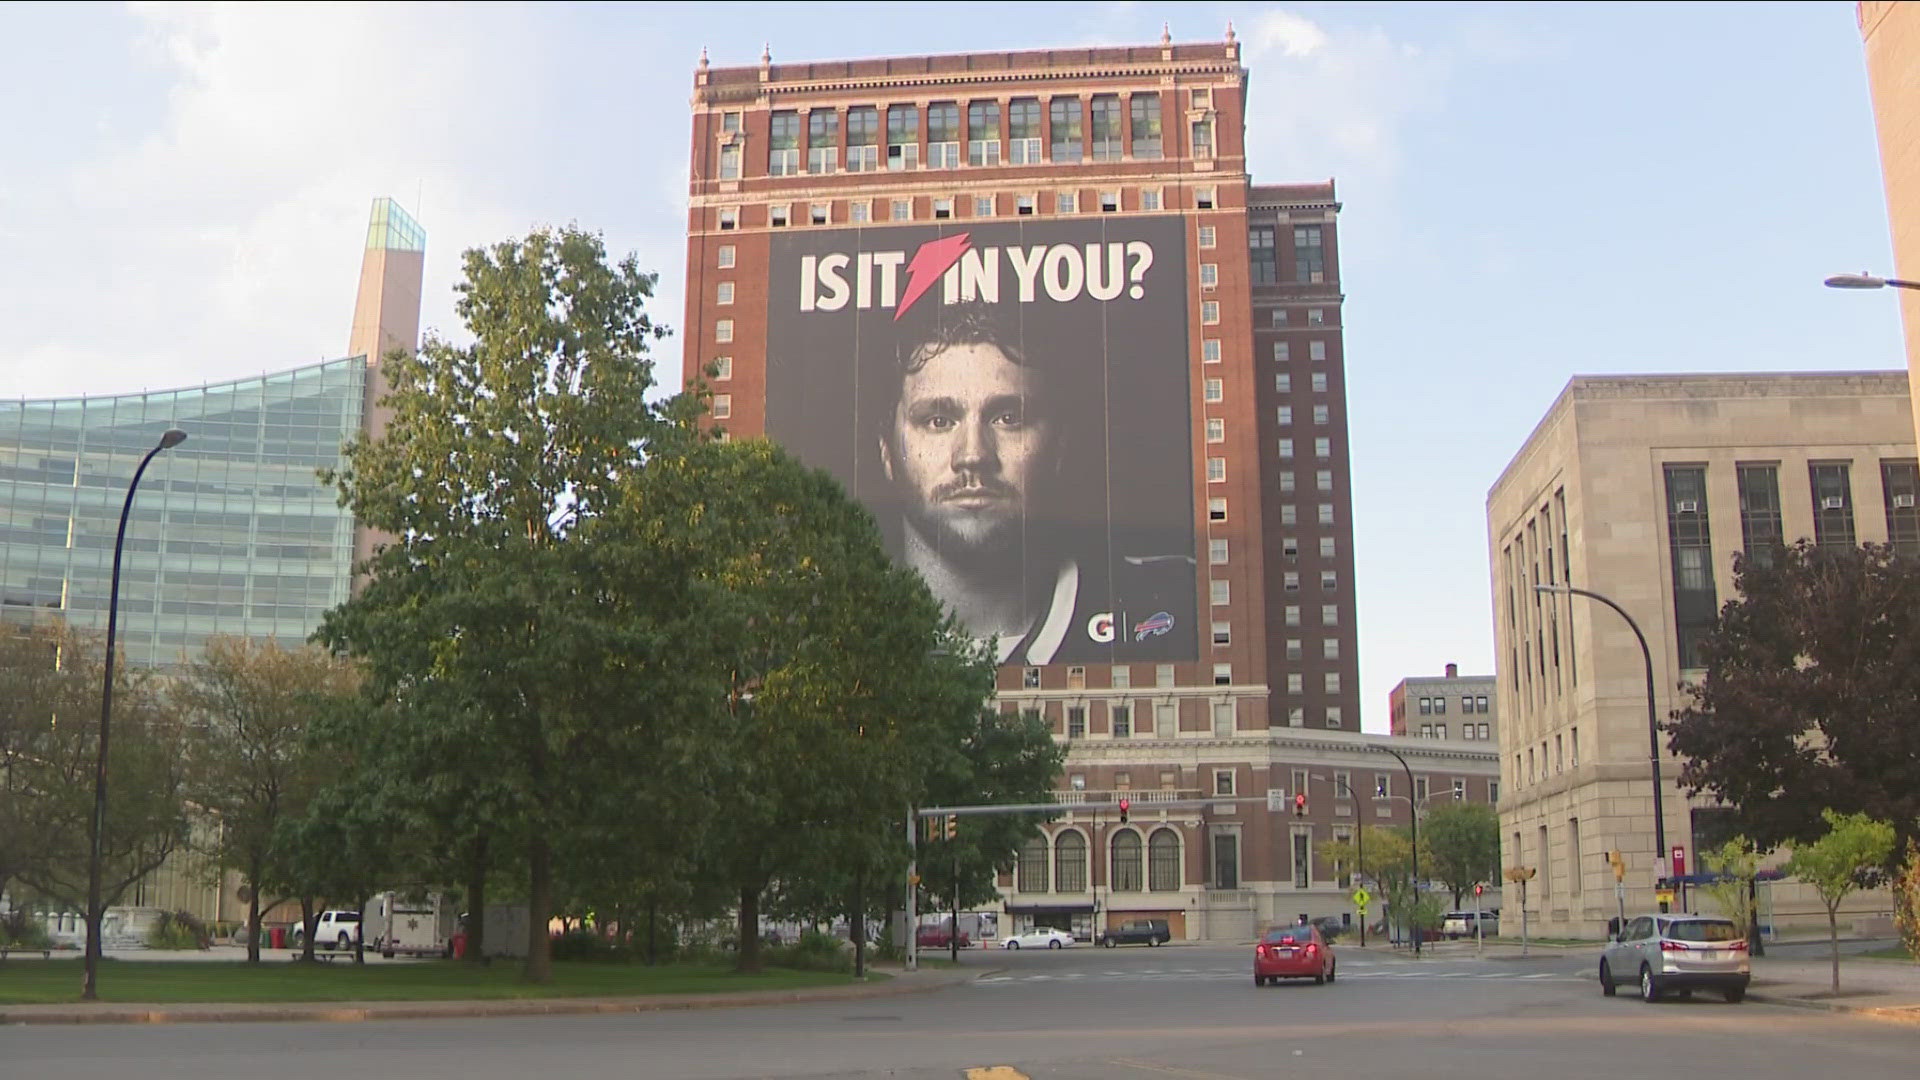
<point x="1075" y="1014"/>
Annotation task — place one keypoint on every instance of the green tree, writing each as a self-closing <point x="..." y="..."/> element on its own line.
<point x="251" y="704"/>
<point x="1906" y="900"/>
<point x="1460" y="846"/>
<point x="1737" y="862"/>
<point x="494" y="454"/>
<point x="1809" y="697"/>
<point x="1848" y="857"/>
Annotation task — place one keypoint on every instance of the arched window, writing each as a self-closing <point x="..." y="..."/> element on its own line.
<point x="1070" y="861"/>
<point x="1033" y="865"/>
<point x="1126" y="861"/>
<point x="1163" y="861"/>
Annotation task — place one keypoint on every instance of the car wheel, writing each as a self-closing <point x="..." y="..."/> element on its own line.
<point x="1013" y="945"/>
<point x="1110" y="943"/>
<point x="1606" y="979"/>
<point x="1262" y="980"/>
<point x="1735" y="994"/>
<point x="1053" y="944"/>
<point x="1319" y="978"/>
<point x="345" y="943"/>
<point x="1333" y="969"/>
<point x="1649" y="986"/>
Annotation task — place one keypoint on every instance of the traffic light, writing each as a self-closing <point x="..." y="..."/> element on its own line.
<point x="1124" y="806"/>
<point x="953" y="826"/>
<point x="1478" y="889"/>
<point x="1299" y="804"/>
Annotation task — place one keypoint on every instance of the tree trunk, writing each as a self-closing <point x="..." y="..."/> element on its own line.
<point x="253" y="916"/>
<point x="360" y="935"/>
<point x="309" y="922"/>
<point x="539" y="968"/>
<point x="653" y="942"/>
<point x="476" y="920"/>
<point x="749" y="930"/>
<point x="1833" y="940"/>
<point x="856" y="921"/>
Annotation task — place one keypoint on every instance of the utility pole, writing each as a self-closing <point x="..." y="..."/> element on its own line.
<point x="913" y="882"/>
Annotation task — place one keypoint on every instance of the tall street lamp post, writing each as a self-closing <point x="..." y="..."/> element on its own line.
<point x="88" y="987"/>
<point x="1413" y="814"/>
<point x="1653" y="717"/>
<point x="1868" y="281"/>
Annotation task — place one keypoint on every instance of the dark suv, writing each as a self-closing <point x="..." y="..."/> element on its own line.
<point x="1136" y="932"/>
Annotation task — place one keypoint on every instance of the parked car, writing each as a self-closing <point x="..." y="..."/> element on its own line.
<point x="1331" y="926"/>
<point x="335" y="930"/>
<point x="1043" y="938"/>
<point x="1459" y="924"/>
<point x="939" y="937"/>
<point x="1680" y="953"/>
<point x="1293" y="952"/>
<point x="1136" y="932"/>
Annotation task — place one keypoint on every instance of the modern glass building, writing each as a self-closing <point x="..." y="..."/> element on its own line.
<point x="232" y="531"/>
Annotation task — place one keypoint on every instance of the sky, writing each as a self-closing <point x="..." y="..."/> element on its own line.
<point x="1529" y="192"/>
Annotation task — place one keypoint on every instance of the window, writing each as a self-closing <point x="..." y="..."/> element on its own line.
<point x="1319" y="414"/>
<point x="1104" y="130"/>
<point x="1216" y="429"/>
<point x="1316" y="316"/>
<point x="859" y="211"/>
<point x="1309" y="261"/>
<point x="1440" y="706"/>
<point x="1330" y="648"/>
<point x="903" y="137"/>
<point x="1265" y="267"/>
<point x="1203" y="198"/>
<point x="1216" y="470"/>
<point x="1222" y="633"/>
<point x="983" y="133"/>
<point x="1109" y="202"/>
<point x="983" y="206"/>
<point x="722" y="406"/>
<point x="1283" y="383"/>
<point x="1216" y="509"/>
<point x="1296" y="683"/>
<point x="1023" y="131"/>
<point x="1900" y="485"/>
<point x="1319" y="382"/>
<point x="1203" y="138"/>
<point x="723" y="293"/>
<point x="1210" y="350"/>
<point x="1287" y="514"/>
<point x="1210" y="313"/>
<point x="1331" y="681"/>
<point x="1223" y="781"/>
<point x="729" y="220"/>
<point x="1279" y="317"/>
<point x="723" y="331"/>
<point x="730" y="121"/>
<point x="1291" y="581"/>
<point x="783" y="143"/>
<point x="1209" y="275"/>
<point x="942" y="209"/>
<point x="1067" y="134"/>
<point x="1290" y="545"/>
<point x="1125" y="860"/>
<point x="1690" y="543"/>
<point x="1222" y="676"/>
<point x="1302" y="859"/>
<point x="1286" y="445"/>
<point x="1214" y="390"/>
<point x="1122" y="676"/>
<point x="1283" y="415"/>
<point x="1201" y="97"/>
<point x="823" y="141"/>
<point x="1832" y="504"/>
<point x="1149" y="198"/>
<point x="1219" y="591"/>
<point x="1323" y="481"/>
<point x="1282" y="351"/>
<point x="1031" y="873"/>
<point x="730" y="162"/>
<point x="1493" y="786"/>
<point x="1574" y="758"/>
<point x="1440" y="731"/>
<point x="1120" y="721"/>
<point x="902" y="210"/>
<point x="1329" y="580"/>
<point x="777" y="216"/>
<point x="1066" y="202"/>
<point x="863" y="138"/>
<point x="1146" y="126"/>
<point x="1760" y="523"/>
<point x="1324" y="513"/>
<point x="1070" y="862"/>
<point x="1323" y="448"/>
<point x="1293" y="615"/>
<point x="724" y="257"/>
<point x="1030" y="678"/>
<point x="1382" y="786"/>
<point x="1207" y="236"/>
<point x="1420" y="789"/>
<point x="1330" y="614"/>
<point x="1326" y="547"/>
<point x="820" y="213"/>
<point x="1166" y="718"/>
<point x="1316" y="350"/>
<point x="722" y="368"/>
<point x="1163" y="861"/>
<point x="1076" y="678"/>
<point x="943" y="135"/>
<point x="1294" y="650"/>
<point x="1076" y="721"/>
<point x="1023" y="205"/>
<point x="1297" y="716"/>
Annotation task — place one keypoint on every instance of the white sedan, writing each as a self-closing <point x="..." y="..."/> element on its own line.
<point x="1043" y="938"/>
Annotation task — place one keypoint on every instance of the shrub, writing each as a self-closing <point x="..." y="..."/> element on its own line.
<point x="586" y="945"/>
<point x="813" y="952"/>
<point x="1906" y="901"/>
<point x="20" y="930"/>
<point x="178" y="930"/>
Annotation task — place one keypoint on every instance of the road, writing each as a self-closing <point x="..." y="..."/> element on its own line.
<point x="1075" y="1014"/>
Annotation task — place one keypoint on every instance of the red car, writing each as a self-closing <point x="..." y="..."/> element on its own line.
<point x="1293" y="952"/>
<point x="939" y="937"/>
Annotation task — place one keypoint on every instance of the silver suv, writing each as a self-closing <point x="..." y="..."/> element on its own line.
<point x="1677" y="952"/>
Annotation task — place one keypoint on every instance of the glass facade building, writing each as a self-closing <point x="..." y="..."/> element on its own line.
<point x="232" y="531"/>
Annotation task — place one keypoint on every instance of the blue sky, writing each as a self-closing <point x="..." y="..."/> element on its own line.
<point x="1531" y="192"/>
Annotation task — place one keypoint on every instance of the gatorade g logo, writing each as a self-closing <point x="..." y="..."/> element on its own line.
<point x="1100" y="628"/>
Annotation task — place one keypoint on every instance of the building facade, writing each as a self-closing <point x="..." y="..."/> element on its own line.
<point x="1088" y="215"/>
<point x="1891" y="33"/>
<point x="1464" y="707"/>
<point x="1642" y="489"/>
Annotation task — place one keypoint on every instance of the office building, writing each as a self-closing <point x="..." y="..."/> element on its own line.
<point x="1449" y="706"/>
<point x="1891" y="33"/>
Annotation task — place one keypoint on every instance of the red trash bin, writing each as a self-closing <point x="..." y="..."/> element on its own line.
<point x="459" y="946"/>
<point x="277" y="937"/>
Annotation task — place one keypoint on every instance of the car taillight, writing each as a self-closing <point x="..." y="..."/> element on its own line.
<point x="1262" y="952"/>
<point x="1737" y="946"/>
<point x="1312" y="949"/>
<point x="1674" y="946"/>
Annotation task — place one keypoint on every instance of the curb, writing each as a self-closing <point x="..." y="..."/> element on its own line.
<point x="1894" y="1015"/>
<point x="214" y="1013"/>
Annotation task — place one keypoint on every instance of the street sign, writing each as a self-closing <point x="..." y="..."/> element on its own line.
<point x="1361" y="897"/>
<point x="1663" y="896"/>
<point x="1276" y="800"/>
<point x="1679" y="861"/>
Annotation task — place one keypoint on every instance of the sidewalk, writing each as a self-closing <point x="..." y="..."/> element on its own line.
<point x="926" y="980"/>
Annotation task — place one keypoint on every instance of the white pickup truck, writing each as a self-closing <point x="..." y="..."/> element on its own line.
<point x="337" y="929"/>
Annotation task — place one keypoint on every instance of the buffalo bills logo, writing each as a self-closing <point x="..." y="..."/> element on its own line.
<point x="1158" y="623"/>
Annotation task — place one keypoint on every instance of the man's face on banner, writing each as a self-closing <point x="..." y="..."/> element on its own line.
<point x="967" y="444"/>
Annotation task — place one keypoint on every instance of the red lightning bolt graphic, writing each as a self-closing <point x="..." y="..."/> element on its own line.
<point x="932" y="260"/>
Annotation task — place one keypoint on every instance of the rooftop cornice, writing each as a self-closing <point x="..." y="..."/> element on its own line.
<point x="716" y="92"/>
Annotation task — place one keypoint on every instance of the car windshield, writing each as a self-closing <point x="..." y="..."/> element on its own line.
<point x="1702" y="930"/>
<point x="1276" y="936"/>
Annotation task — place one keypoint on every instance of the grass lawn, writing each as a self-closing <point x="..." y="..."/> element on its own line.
<point x="159" y="981"/>
<point x="1898" y="952"/>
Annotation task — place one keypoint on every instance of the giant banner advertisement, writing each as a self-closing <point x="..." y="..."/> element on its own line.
<point x="1010" y="399"/>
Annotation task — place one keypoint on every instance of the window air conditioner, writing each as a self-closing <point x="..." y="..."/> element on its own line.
<point x="1903" y="502"/>
<point x="1688" y="506"/>
<point x="1833" y="502"/>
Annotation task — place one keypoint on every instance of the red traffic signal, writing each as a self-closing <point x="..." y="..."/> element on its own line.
<point x="1124" y="804"/>
<point x="1478" y="889"/>
<point x="1300" y="804"/>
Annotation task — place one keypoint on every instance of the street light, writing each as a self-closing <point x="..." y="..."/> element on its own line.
<point x="1653" y="720"/>
<point x="88" y="988"/>
<point x="1868" y="281"/>
<point x="1413" y="813"/>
